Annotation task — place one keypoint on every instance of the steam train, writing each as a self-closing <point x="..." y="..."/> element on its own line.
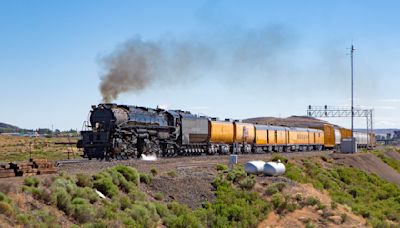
<point x="121" y="132"/>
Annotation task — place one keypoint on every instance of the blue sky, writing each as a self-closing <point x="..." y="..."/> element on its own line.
<point x="50" y="55"/>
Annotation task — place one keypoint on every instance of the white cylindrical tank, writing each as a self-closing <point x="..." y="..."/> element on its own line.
<point x="254" y="167"/>
<point x="274" y="168"/>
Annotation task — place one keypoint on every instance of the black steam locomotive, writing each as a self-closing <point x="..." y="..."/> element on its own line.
<point x="121" y="132"/>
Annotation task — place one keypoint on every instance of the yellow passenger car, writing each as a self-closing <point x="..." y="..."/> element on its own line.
<point x="318" y="136"/>
<point x="244" y="132"/>
<point x="270" y="135"/>
<point x="298" y="136"/>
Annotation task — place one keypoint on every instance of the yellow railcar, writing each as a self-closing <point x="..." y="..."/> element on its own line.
<point x="329" y="135"/>
<point x="244" y="132"/>
<point x="261" y="135"/>
<point x="270" y="135"/>
<point x="346" y="133"/>
<point x="221" y="132"/>
<point x="318" y="136"/>
<point x="281" y="136"/>
<point x="298" y="136"/>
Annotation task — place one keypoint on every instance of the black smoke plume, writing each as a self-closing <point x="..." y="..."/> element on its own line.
<point x="137" y="64"/>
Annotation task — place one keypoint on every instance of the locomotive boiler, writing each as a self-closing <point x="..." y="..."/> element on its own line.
<point x="121" y="131"/>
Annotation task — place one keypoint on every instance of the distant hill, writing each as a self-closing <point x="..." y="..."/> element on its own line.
<point x="381" y="131"/>
<point x="8" y="128"/>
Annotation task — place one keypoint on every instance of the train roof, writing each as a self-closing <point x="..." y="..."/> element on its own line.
<point x="304" y="129"/>
<point x="270" y="127"/>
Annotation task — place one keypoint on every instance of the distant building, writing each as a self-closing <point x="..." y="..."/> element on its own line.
<point x="396" y="135"/>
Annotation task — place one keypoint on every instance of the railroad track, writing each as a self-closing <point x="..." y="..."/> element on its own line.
<point x="304" y="153"/>
<point x="71" y="161"/>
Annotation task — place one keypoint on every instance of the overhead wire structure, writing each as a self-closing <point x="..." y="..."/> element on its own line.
<point x="334" y="111"/>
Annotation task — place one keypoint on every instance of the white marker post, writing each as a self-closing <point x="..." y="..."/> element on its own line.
<point x="233" y="160"/>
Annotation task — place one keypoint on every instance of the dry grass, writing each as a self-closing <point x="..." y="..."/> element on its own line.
<point x="16" y="148"/>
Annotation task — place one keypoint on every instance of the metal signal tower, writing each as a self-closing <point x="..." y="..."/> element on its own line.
<point x="352" y="94"/>
<point x="332" y="111"/>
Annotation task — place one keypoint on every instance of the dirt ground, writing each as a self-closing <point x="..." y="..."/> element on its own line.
<point x="191" y="186"/>
<point x="195" y="172"/>
<point x="311" y="215"/>
<point x="188" y="181"/>
<point x="393" y="154"/>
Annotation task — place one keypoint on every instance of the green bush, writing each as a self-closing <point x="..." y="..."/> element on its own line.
<point x="124" y="202"/>
<point x="247" y="182"/>
<point x="298" y="197"/>
<point x="86" y="193"/>
<point x="42" y="217"/>
<point x="159" y="196"/>
<point x="67" y="183"/>
<point x="46" y="195"/>
<point x="145" y="178"/>
<point x="145" y="214"/>
<point x="233" y="207"/>
<point x="291" y="207"/>
<point x="221" y="167"/>
<point x="162" y="210"/>
<point x="31" y="182"/>
<point x="6" y="209"/>
<point x="295" y="173"/>
<point x="23" y="219"/>
<point x="106" y="186"/>
<point x="4" y="198"/>
<point x="395" y="164"/>
<point x="236" y="174"/>
<point x="37" y="193"/>
<point x="81" y="210"/>
<point x="153" y="171"/>
<point x="129" y="173"/>
<point x="321" y="206"/>
<point x="277" y="157"/>
<point x="309" y="224"/>
<point x="274" y="188"/>
<point x="62" y="200"/>
<point x="84" y="180"/>
<point x="366" y="194"/>
<point x="280" y="185"/>
<point x="277" y="200"/>
<point x="311" y="201"/>
<point x="172" y="174"/>
<point x="136" y="195"/>
<point x="184" y="221"/>
<point x="271" y="189"/>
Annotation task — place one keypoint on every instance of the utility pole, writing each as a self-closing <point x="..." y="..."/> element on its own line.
<point x="352" y="99"/>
